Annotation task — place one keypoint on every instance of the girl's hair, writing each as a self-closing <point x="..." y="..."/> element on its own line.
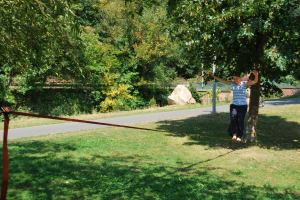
<point x="236" y="74"/>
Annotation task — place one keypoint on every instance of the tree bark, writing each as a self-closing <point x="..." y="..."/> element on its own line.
<point x="259" y="62"/>
<point x="253" y="113"/>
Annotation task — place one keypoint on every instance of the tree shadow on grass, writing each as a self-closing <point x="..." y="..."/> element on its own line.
<point x="45" y="170"/>
<point x="211" y="130"/>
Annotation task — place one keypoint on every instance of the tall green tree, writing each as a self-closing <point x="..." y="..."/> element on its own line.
<point x="38" y="39"/>
<point x="155" y="53"/>
<point x="241" y="36"/>
<point x="139" y="32"/>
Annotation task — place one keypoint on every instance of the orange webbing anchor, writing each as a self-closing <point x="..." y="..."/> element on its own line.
<point x="5" y="111"/>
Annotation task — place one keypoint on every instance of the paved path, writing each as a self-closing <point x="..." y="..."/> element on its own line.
<point x="280" y="102"/>
<point x="127" y="120"/>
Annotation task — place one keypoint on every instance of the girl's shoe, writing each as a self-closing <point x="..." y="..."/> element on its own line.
<point x="238" y="139"/>
<point x="234" y="137"/>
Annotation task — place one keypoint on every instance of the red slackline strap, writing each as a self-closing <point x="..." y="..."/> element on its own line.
<point x="5" y="155"/>
<point x="79" y="120"/>
<point x="6" y="111"/>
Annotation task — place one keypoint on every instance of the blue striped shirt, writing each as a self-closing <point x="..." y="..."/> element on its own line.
<point x="239" y="93"/>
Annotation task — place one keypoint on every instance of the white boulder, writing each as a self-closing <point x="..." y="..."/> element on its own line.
<point x="180" y="96"/>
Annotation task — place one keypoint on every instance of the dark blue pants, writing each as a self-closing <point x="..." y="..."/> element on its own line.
<point x="237" y="120"/>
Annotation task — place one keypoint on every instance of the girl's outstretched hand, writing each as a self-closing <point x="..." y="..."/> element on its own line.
<point x="255" y="72"/>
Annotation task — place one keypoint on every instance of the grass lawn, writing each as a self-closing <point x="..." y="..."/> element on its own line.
<point x="188" y="159"/>
<point x="20" y="121"/>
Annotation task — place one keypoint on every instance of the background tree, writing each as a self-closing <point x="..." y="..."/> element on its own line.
<point x="138" y="36"/>
<point x="241" y="36"/>
<point x="38" y="39"/>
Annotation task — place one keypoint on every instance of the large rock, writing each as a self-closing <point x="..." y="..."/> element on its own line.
<point x="180" y="96"/>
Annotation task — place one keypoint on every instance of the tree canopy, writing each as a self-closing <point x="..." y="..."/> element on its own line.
<point x="126" y="52"/>
<point x="242" y="35"/>
<point x="38" y="39"/>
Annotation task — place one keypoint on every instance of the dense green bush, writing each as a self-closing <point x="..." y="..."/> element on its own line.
<point x="194" y="92"/>
<point x="56" y="101"/>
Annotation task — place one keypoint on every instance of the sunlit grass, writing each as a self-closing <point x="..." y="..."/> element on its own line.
<point x="188" y="159"/>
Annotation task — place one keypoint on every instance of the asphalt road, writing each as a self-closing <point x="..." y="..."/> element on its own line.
<point x="127" y="120"/>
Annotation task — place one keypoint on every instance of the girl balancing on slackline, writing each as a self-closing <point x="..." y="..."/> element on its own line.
<point x="238" y="107"/>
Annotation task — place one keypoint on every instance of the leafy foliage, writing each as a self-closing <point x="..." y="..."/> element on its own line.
<point x="38" y="39"/>
<point x="139" y="53"/>
<point x="194" y="92"/>
<point x="127" y="52"/>
<point x="242" y="35"/>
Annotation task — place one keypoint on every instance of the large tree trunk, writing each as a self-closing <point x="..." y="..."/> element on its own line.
<point x="253" y="112"/>
<point x="255" y="89"/>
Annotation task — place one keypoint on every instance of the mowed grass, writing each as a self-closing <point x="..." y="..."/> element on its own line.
<point x="187" y="159"/>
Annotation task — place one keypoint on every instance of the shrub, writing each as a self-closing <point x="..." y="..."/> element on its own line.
<point x="194" y="92"/>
